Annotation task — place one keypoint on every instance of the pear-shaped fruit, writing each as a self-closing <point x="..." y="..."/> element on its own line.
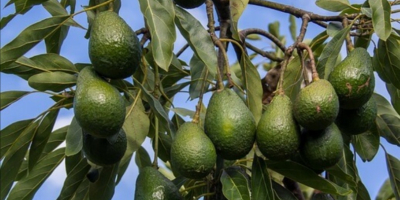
<point x="188" y="4"/>
<point x="322" y="149"/>
<point x="278" y="135"/>
<point x="316" y="106"/>
<point x="358" y="120"/>
<point x="98" y="106"/>
<point x="114" y="48"/>
<point x="152" y="185"/>
<point x="230" y="125"/>
<point x="103" y="151"/>
<point x="353" y="79"/>
<point x="193" y="154"/>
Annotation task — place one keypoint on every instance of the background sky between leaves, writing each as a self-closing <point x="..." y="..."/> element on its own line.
<point x="373" y="173"/>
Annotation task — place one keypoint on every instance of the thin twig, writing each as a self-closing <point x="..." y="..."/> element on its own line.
<point x="263" y="53"/>
<point x="275" y="40"/>
<point x="182" y="50"/>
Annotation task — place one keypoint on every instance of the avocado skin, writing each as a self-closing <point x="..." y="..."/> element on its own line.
<point x="101" y="152"/>
<point x="189" y="4"/>
<point x="357" y="121"/>
<point x="193" y="154"/>
<point x="152" y="185"/>
<point x="98" y="106"/>
<point x="353" y="79"/>
<point x="322" y="149"/>
<point x="114" y="48"/>
<point x="316" y="106"/>
<point x="230" y="125"/>
<point x="278" y="134"/>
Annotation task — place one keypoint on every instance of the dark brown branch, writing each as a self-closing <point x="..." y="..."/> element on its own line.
<point x="182" y="50"/>
<point x="142" y="31"/>
<point x="263" y="53"/>
<point x="275" y="40"/>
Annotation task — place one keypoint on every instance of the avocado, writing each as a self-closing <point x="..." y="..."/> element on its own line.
<point x="322" y="149"/>
<point x="278" y="134"/>
<point x="316" y="106"/>
<point x="357" y="121"/>
<point x="188" y="4"/>
<point x="229" y="124"/>
<point x="114" y="48"/>
<point x="98" y="106"/>
<point x="152" y="185"/>
<point x="193" y="154"/>
<point x="353" y="79"/>
<point x="101" y="151"/>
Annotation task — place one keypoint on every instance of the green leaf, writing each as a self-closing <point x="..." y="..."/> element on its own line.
<point x="393" y="165"/>
<point x="75" y="177"/>
<point x="282" y="193"/>
<point x="273" y="28"/>
<point x="328" y="58"/>
<point x="293" y="78"/>
<point x="56" y="138"/>
<point x="197" y="73"/>
<point x="252" y="83"/>
<point x="159" y="16"/>
<point x="333" y="28"/>
<point x="362" y="192"/>
<point x="198" y="38"/>
<point x="73" y="139"/>
<point x="394" y="96"/>
<point x="54" y="81"/>
<point x="26" y="188"/>
<point x="235" y="184"/>
<point x="5" y="20"/>
<point x="9" y="97"/>
<point x="386" y="191"/>
<point x="142" y="158"/>
<point x="28" y="38"/>
<point x="261" y="186"/>
<point x="387" y="120"/>
<point x="164" y="147"/>
<point x="381" y="18"/>
<point x="54" y="62"/>
<point x="14" y="158"/>
<point x="333" y="5"/>
<point x="82" y="193"/>
<point x="389" y="59"/>
<point x="367" y="144"/>
<point x="293" y="27"/>
<point x="104" y="187"/>
<point x="10" y="134"/>
<point x="41" y="137"/>
<point x="236" y="8"/>
<point x="306" y="176"/>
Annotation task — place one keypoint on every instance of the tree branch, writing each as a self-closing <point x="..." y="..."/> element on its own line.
<point x="263" y="53"/>
<point x="275" y="40"/>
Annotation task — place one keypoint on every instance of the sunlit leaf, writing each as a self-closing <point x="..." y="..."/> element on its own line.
<point x="9" y="97"/>
<point x="73" y="139"/>
<point x="261" y="185"/>
<point x="54" y="62"/>
<point x="293" y="78"/>
<point x="367" y="144"/>
<point x="393" y="165"/>
<point x="159" y="16"/>
<point x="236" y="9"/>
<point x="26" y="188"/>
<point x="54" y="81"/>
<point x="235" y="184"/>
<point x="10" y="133"/>
<point x="293" y="27"/>
<point x="333" y="5"/>
<point x="28" y="38"/>
<point x="334" y="28"/>
<point x="386" y="191"/>
<point x="198" y="38"/>
<point x="381" y="18"/>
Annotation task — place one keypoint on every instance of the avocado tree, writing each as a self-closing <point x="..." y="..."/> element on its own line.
<point x="291" y="134"/>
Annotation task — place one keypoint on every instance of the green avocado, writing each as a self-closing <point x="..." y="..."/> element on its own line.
<point x="152" y="185"/>
<point x="322" y="149"/>
<point x="98" y="106"/>
<point x="114" y="48"/>
<point x="353" y="79"/>
<point x="101" y="151"/>
<point x="278" y="134"/>
<point x="193" y="154"/>
<point x="357" y="121"/>
<point x="316" y="106"/>
<point x="188" y="4"/>
<point x="230" y="125"/>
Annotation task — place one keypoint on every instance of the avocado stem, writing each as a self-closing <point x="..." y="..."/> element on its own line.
<point x="196" y="117"/>
<point x="315" y="76"/>
<point x="155" y="160"/>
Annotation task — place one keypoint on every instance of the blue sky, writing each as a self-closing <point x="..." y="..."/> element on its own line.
<point x="372" y="173"/>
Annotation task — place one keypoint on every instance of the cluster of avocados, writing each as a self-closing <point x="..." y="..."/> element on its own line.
<point x="99" y="108"/>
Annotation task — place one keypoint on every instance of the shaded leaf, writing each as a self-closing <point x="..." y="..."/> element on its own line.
<point x="159" y="16"/>
<point x="28" y="38"/>
<point x="235" y="184"/>
<point x="293" y="27"/>
<point x="82" y="193"/>
<point x="261" y="185"/>
<point x="198" y="38"/>
<point x="381" y="18"/>
<point x="26" y="188"/>
<point x="142" y="158"/>
<point x="41" y="137"/>
<point x="73" y="139"/>
<point x="54" y="81"/>
<point x="164" y="146"/>
<point x="5" y="20"/>
<point x="386" y="191"/>
<point x="10" y="134"/>
<point x="236" y="8"/>
<point x="329" y="55"/>
<point x="393" y="165"/>
<point x="394" y="96"/>
<point x="362" y="192"/>
<point x="22" y="6"/>
<point x="387" y="120"/>
<point x="282" y="193"/>
<point x="334" y="28"/>
<point x="367" y="144"/>
<point x="293" y="78"/>
<point x="104" y="187"/>
<point x="389" y="59"/>
<point x="14" y="158"/>
<point x="333" y="5"/>
<point x="9" y="97"/>
<point x="56" y="138"/>
<point x="197" y="73"/>
<point x="306" y="176"/>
